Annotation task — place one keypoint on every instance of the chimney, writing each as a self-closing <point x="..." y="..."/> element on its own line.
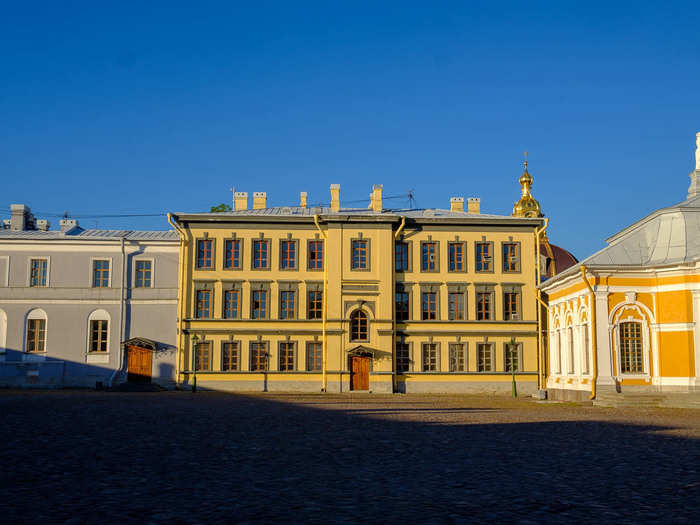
<point x="43" y="225"/>
<point x="259" y="200"/>
<point x="376" y="198"/>
<point x="302" y="199"/>
<point x="335" y="197"/>
<point x="457" y="204"/>
<point x="21" y="218"/>
<point x="240" y="199"/>
<point x="68" y="225"/>
<point x="474" y="205"/>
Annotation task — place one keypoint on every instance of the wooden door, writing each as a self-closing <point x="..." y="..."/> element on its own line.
<point x="140" y="363"/>
<point x="359" y="376"/>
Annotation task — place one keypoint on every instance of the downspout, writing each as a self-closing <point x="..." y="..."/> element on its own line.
<point x="180" y="291"/>
<point x="393" y="304"/>
<point x="324" y="365"/>
<point x="120" y="353"/>
<point x="594" y="329"/>
<point x="540" y="352"/>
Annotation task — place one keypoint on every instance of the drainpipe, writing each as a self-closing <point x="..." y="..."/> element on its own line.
<point x="393" y="304"/>
<point x="120" y="353"/>
<point x="325" y="304"/>
<point x="594" y="329"/>
<point x="540" y="353"/>
<point x="180" y="291"/>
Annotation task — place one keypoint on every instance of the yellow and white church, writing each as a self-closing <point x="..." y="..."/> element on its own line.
<point x="626" y="320"/>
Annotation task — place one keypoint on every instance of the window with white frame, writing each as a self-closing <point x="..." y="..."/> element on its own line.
<point x="98" y="331"/>
<point x="36" y="331"/>
<point x="585" y="352"/>
<point x="100" y="273"/>
<point x="570" y="350"/>
<point x="631" y="348"/>
<point x="143" y="273"/>
<point x="38" y="272"/>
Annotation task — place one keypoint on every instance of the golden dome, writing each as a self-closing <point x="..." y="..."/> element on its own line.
<point x="527" y="206"/>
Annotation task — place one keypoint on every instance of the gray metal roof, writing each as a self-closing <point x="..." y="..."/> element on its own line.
<point x="298" y="211"/>
<point x="666" y="237"/>
<point x="90" y="235"/>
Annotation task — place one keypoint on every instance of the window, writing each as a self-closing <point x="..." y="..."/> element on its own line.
<point x="570" y="348"/>
<point x="205" y="254"/>
<point x="458" y="357"/>
<point x="484" y="257"/>
<point x="143" y="274"/>
<point x="259" y="305"/>
<point x="511" y="308"/>
<point x="315" y="255"/>
<point x="430" y="357"/>
<point x="485" y="357"/>
<point x="511" y="257"/>
<point x="230" y="357"/>
<point x="512" y="357"/>
<point x="314" y="357"/>
<point x="203" y="307"/>
<point x="359" y="326"/>
<point x="401" y="264"/>
<point x="261" y="251"/>
<point x="456" y="256"/>
<point x="232" y="254"/>
<point x="585" y="342"/>
<point x="287" y="308"/>
<point x="232" y="305"/>
<point x="98" y="335"/>
<point x="258" y="356"/>
<point x="100" y="274"/>
<point x="456" y="306"/>
<point x="429" y="257"/>
<point x="286" y="357"/>
<point x="360" y="256"/>
<point x="36" y="335"/>
<point x="402" y="307"/>
<point x="202" y="356"/>
<point x="37" y="272"/>
<point x="631" y="357"/>
<point x="288" y="255"/>
<point x="557" y="350"/>
<point x="483" y="306"/>
<point x="429" y="306"/>
<point x="403" y="360"/>
<point x="315" y="305"/>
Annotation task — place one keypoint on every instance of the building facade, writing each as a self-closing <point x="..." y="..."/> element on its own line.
<point x="80" y="308"/>
<point x="337" y="299"/>
<point x="627" y="319"/>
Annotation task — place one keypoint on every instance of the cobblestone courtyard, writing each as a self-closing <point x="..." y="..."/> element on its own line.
<point x="89" y="457"/>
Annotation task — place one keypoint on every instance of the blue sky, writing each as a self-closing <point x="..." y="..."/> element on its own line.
<point x="146" y="107"/>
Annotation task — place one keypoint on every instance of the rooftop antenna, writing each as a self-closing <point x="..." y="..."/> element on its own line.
<point x="411" y="200"/>
<point x="232" y="189"/>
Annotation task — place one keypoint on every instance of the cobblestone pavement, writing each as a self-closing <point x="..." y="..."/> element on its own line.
<point x="176" y="457"/>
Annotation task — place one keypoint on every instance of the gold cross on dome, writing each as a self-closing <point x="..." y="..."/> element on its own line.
<point x="525" y="155"/>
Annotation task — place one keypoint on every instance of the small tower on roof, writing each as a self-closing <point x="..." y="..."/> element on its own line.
<point x="527" y="206"/>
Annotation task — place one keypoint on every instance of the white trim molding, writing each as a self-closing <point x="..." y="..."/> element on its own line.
<point x="5" y="280"/>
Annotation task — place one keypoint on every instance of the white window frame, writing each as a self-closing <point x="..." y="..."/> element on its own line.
<point x="5" y="279"/>
<point x="133" y="272"/>
<point x="36" y="313"/>
<point x="92" y="271"/>
<point x="29" y="270"/>
<point x="99" y="315"/>
<point x="644" y="318"/>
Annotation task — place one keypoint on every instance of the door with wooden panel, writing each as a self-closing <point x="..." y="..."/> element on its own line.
<point x="140" y="364"/>
<point x="359" y="376"/>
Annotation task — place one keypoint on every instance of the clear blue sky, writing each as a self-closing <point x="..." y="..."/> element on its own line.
<point x="143" y="107"/>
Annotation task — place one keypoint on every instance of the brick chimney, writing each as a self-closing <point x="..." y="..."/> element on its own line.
<point x="474" y="205"/>
<point x="68" y="225"/>
<point x="21" y="218"/>
<point x="335" y="197"/>
<point x="375" y="202"/>
<point x="240" y="199"/>
<point x="302" y="199"/>
<point x="457" y="204"/>
<point x="259" y="200"/>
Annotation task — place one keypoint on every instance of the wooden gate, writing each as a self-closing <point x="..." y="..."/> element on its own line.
<point x="140" y="363"/>
<point x="359" y="376"/>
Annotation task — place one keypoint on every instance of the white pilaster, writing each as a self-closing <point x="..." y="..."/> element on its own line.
<point x="696" y="331"/>
<point x="602" y="334"/>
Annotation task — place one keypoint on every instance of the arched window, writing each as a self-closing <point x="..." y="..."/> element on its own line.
<point x="585" y="343"/>
<point x="631" y="355"/>
<point x="570" y="349"/>
<point x="36" y="331"/>
<point x="98" y="331"/>
<point x="359" y="326"/>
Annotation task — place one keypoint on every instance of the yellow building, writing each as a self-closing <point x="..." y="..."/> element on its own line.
<point x="626" y="320"/>
<point x="337" y="299"/>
